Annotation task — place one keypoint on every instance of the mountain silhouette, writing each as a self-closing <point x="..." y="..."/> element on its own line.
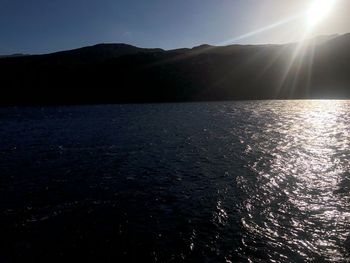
<point x="13" y="55"/>
<point x="97" y="53"/>
<point x="120" y="73"/>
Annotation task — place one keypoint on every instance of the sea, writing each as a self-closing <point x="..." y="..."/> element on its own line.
<point x="243" y="181"/>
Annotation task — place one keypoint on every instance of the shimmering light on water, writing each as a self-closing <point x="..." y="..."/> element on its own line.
<point x="260" y="181"/>
<point x="300" y="204"/>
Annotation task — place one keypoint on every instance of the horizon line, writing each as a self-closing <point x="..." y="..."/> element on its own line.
<point x="165" y="49"/>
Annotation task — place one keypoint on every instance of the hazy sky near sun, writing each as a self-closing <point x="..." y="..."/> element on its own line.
<point x="41" y="26"/>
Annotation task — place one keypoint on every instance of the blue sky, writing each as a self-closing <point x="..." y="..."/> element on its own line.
<point x="42" y="26"/>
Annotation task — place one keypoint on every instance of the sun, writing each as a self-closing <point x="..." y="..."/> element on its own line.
<point x="318" y="11"/>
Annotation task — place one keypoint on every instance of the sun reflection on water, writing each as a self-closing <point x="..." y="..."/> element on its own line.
<point x="303" y="174"/>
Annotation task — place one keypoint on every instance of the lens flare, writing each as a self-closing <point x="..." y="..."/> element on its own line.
<point x="318" y="11"/>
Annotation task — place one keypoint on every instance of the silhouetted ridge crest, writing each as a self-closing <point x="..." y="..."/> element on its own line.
<point x="101" y="52"/>
<point x="121" y="73"/>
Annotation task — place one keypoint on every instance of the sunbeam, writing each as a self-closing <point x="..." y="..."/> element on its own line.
<point x="261" y="30"/>
<point x="318" y="10"/>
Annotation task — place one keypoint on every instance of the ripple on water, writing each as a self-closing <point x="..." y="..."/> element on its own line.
<point x="301" y="164"/>
<point x="262" y="181"/>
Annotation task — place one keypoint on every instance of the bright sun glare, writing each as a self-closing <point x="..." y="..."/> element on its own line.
<point x="319" y="9"/>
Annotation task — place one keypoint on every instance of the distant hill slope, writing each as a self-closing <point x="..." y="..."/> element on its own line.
<point x="13" y="55"/>
<point x="120" y="73"/>
<point x="98" y="53"/>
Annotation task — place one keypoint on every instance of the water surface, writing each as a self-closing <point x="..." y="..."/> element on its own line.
<point x="260" y="181"/>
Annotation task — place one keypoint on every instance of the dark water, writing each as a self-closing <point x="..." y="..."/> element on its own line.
<point x="203" y="182"/>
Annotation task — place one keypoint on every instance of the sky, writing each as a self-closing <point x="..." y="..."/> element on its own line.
<point x="44" y="26"/>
